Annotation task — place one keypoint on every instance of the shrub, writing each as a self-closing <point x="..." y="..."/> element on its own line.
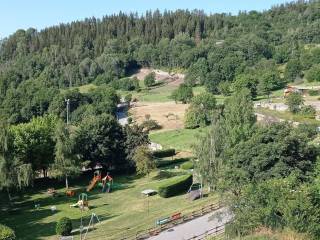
<point x="151" y="125"/>
<point x="130" y="120"/>
<point x="314" y="92"/>
<point x="308" y="111"/>
<point x="164" y="153"/>
<point x="166" y="163"/>
<point x="150" y="79"/>
<point x="175" y="185"/>
<point x="6" y="233"/>
<point x="187" y="165"/>
<point x="128" y="98"/>
<point x="64" y="226"/>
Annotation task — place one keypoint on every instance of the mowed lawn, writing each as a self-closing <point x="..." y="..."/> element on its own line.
<point x="181" y="139"/>
<point x="121" y="212"/>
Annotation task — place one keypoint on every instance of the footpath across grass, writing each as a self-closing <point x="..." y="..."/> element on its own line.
<point x="123" y="211"/>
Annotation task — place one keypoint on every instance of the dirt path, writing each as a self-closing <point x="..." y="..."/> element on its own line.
<point x="174" y="79"/>
<point x="196" y="227"/>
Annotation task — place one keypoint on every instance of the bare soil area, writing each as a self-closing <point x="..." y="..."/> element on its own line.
<point x="174" y="79"/>
<point x="168" y="114"/>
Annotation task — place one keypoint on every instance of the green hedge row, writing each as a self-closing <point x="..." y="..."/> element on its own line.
<point x="187" y="165"/>
<point x="165" y="163"/>
<point x="175" y="186"/>
<point x="164" y="153"/>
<point x="6" y="233"/>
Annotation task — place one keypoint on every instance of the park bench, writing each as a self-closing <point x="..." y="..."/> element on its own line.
<point x="176" y="216"/>
<point x="163" y="221"/>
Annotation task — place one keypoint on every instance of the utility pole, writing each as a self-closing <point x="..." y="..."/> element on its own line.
<point x="68" y="109"/>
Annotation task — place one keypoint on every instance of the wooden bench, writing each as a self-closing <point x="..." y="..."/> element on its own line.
<point x="176" y="216"/>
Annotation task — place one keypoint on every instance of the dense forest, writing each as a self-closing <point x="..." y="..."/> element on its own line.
<point x="268" y="174"/>
<point x="214" y="50"/>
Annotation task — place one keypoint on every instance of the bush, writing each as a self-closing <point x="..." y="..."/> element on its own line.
<point x="150" y="79"/>
<point x="6" y="233"/>
<point x="151" y="125"/>
<point x="164" y="153"/>
<point x="187" y="165"/>
<point x="308" y="111"/>
<point x="314" y="92"/>
<point x="64" y="226"/>
<point x="166" y="163"/>
<point x="175" y="185"/>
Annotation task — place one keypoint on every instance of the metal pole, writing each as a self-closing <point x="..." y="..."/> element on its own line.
<point x="68" y="109"/>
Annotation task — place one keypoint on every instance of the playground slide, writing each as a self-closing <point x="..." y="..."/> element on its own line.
<point x="92" y="184"/>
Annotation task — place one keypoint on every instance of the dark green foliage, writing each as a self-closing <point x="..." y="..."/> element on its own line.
<point x="100" y="139"/>
<point x="174" y="162"/>
<point x="175" y="186"/>
<point x="224" y="88"/>
<point x="150" y="80"/>
<point x="314" y="92"/>
<point x="126" y="84"/>
<point x="6" y="233"/>
<point x="308" y="111"/>
<point x="212" y="48"/>
<point x="187" y="165"/>
<point x="164" y="153"/>
<point x="200" y="111"/>
<point x="135" y="136"/>
<point x="278" y="203"/>
<point x="183" y="94"/>
<point x="313" y="74"/>
<point x="64" y="227"/>
<point x="150" y="124"/>
<point x="271" y="152"/>
<point x="294" y="102"/>
<point x="293" y="70"/>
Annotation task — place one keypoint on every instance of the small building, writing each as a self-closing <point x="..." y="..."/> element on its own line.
<point x="303" y="90"/>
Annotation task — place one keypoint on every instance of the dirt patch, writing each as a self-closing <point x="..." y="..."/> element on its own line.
<point x="174" y="79"/>
<point x="168" y="114"/>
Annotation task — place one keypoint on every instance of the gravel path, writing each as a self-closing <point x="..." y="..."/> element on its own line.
<point x="196" y="227"/>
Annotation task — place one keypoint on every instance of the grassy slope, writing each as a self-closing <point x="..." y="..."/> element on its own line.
<point x="181" y="140"/>
<point x="124" y="211"/>
<point x="288" y="116"/>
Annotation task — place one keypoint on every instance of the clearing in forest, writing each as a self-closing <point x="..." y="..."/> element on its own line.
<point x="169" y="115"/>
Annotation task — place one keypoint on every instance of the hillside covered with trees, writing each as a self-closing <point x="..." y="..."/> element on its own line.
<point x="215" y="50"/>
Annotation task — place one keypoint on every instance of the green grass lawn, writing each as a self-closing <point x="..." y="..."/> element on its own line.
<point x="181" y="139"/>
<point x="121" y="212"/>
<point x="286" y="115"/>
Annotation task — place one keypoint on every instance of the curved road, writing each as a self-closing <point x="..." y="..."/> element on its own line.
<point x="196" y="227"/>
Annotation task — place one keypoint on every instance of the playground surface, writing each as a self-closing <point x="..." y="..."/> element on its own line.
<point x="123" y="211"/>
<point x="196" y="227"/>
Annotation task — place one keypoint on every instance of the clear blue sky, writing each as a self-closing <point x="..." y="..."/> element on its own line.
<point x="17" y="14"/>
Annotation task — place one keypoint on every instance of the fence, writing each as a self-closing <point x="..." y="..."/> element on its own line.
<point x="144" y="234"/>
<point x="147" y="233"/>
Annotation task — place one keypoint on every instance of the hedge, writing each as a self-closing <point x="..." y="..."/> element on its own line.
<point x="64" y="227"/>
<point x="175" y="186"/>
<point x="164" y="153"/>
<point x="6" y="233"/>
<point x="187" y="165"/>
<point x="166" y="163"/>
<point x="314" y="92"/>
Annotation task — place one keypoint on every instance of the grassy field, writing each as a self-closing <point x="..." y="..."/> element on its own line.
<point x="121" y="212"/>
<point x="286" y="115"/>
<point x="181" y="140"/>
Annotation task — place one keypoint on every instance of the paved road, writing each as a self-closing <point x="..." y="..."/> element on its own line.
<point x="196" y="227"/>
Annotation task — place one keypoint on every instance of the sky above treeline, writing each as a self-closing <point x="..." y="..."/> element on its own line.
<point x="23" y="14"/>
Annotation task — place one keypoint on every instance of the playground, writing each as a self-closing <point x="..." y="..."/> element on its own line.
<point x="121" y="211"/>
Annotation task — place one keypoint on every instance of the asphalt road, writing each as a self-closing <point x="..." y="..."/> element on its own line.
<point x="196" y="227"/>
